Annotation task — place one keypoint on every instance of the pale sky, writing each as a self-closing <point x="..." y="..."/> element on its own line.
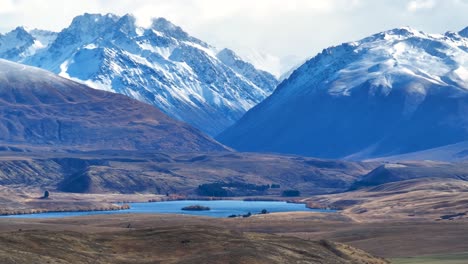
<point x="288" y="30"/>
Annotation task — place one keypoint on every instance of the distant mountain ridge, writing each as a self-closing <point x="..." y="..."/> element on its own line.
<point x="394" y="92"/>
<point x="161" y="65"/>
<point x="457" y="152"/>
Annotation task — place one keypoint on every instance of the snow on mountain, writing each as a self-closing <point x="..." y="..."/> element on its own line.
<point x="44" y="37"/>
<point x="21" y="43"/>
<point x="394" y="92"/>
<point x="161" y="65"/>
<point x="258" y="77"/>
<point x="15" y="44"/>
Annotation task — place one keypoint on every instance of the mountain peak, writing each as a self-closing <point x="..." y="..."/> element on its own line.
<point x="127" y="24"/>
<point x="127" y="19"/>
<point x="464" y="32"/>
<point x="162" y="23"/>
<point x="396" y="33"/>
<point x="403" y="31"/>
<point x="20" y="33"/>
<point x="20" y="29"/>
<point x="15" y="43"/>
<point x="165" y="26"/>
<point x="84" y="28"/>
<point x="227" y="54"/>
<point x="87" y="20"/>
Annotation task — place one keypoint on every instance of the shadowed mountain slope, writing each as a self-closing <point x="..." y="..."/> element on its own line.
<point x="394" y="92"/>
<point x="40" y="109"/>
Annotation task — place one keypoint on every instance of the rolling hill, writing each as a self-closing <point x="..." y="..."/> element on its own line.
<point x="41" y="110"/>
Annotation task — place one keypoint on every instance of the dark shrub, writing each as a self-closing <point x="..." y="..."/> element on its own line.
<point x="223" y="189"/>
<point x="291" y="193"/>
<point x="214" y="189"/>
<point x="196" y="208"/>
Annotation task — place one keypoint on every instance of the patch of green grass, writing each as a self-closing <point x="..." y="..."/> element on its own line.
<point x="455" y="258"/>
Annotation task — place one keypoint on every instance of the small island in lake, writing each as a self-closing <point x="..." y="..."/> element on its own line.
<point x="196" y="208"/>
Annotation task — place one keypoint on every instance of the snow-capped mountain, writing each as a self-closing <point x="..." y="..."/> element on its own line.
<point x="21" y="43"/>
<point x="394" y="92"/>
<point x="161" y="65"/>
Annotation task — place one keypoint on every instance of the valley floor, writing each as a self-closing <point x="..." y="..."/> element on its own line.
<point x="402" y="242"/>
<point x="418" y="220"/>
<point x="455" y="258"/>
<point x="162" y="239"/>
<point x="402" y="225"/>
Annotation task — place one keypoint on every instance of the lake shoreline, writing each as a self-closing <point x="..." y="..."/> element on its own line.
<point x="233" y="206"/>
<point x="116" y="207"/>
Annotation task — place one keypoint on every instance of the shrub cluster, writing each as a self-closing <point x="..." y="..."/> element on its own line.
<point x="291" y="193"/>
<point x="222" y="189"/>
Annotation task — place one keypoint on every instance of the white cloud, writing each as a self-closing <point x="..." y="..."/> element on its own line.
<point x="416" y="5"/>
<point x="6" y="6"/>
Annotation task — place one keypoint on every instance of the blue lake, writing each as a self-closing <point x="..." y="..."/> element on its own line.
<point x="222" y="208"/>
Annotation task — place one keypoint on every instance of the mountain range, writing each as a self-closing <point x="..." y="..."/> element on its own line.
<point x="394" y="92"/>
<point x="162" y="65"/>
